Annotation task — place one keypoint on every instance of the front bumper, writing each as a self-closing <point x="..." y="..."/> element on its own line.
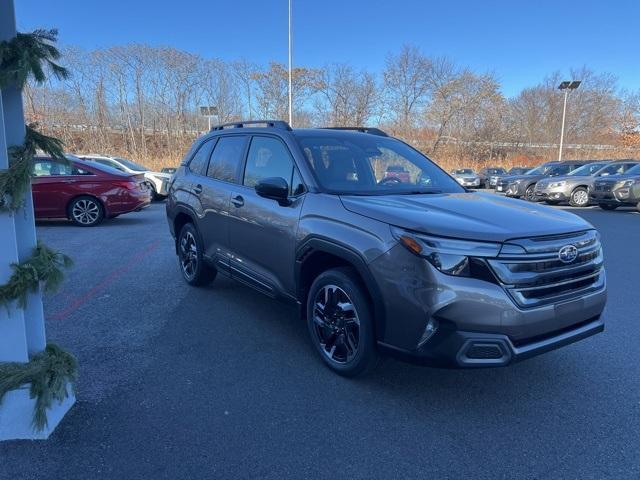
<point x="475" y="318"/>
<point x="550" y="194"/>
<point x="515" y="190"/>
<point x="465" y="349"/>
<point x="620" y="196"/>
<point x="469" y="183"/>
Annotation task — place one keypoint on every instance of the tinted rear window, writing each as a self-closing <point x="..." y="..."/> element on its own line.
<point x="226" y="158"/>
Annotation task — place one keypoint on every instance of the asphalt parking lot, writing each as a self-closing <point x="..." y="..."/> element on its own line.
<point x="221" y="382"/>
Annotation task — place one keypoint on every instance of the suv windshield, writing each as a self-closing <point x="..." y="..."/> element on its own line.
<point x="496" y="171"/>
<point x="541" y="170"/>
<point x="633" y="170"/>
<point x="347" y="163"/>
<point x="589" y="169"/>
<point x="132" y="165"/>
<point x="463" y="171"/>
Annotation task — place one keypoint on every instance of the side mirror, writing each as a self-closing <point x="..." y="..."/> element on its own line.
<point x="275" y="188"/>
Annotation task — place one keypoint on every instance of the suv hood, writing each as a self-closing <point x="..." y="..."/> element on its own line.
<point x="470" y="216"/>
<point x="513" y="178"/>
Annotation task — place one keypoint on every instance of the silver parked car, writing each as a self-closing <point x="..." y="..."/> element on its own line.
<point x="574" y="188"/>
<point x="466" y="177"/>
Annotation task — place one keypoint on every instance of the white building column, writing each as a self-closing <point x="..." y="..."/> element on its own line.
<point x="22" y="332"/>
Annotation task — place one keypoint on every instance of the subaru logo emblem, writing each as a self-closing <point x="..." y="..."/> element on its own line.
<point x="568" y="253"/>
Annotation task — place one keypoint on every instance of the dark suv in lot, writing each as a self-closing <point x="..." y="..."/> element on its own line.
<point x="423" y="268"/>
<point x="523" y="186"/>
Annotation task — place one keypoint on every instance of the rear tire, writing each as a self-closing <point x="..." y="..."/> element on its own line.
<point x="606" y="206"/>
<point x="190" y="258"/>
<point x="86" y="211"/>
<point x="579" y="197"/>
<point x="340" y="322"/>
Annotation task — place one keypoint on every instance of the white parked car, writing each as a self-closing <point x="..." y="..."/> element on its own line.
<point x="156" y="181"/>
<point x="466" y="177"/>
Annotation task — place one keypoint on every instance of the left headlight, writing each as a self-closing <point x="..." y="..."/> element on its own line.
<point x="628" y="183"/>
<point x="461" y="258"/>
<point x="557" y="184"/>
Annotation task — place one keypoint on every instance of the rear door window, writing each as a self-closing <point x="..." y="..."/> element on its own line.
<point x="200" y="161"/>
<point x="226" y="158"/>
<point x="50" y="168"/>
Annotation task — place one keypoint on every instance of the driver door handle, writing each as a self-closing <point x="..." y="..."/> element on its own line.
<point x="238" y="201"/>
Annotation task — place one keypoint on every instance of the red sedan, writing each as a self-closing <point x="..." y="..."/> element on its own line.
<point x="84" y="192"/>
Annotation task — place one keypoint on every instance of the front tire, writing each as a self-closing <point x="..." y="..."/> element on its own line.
<point x="529" y="192"/>
<point x="579" y="197"/>
<point x="86" y="211"/>
<point x="190" y="258"/>
<point x="607" y="206"/>
<point x="340" y="322"/>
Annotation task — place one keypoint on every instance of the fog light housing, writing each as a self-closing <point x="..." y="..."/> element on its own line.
<point x="429" y="331"/>
<point x="623" y="193"/>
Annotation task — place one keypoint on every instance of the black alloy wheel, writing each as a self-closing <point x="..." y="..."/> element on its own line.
<point x="341" y="323"/>
<point x="192" y="265"/>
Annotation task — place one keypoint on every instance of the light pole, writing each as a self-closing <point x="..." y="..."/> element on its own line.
<point x="290" y="92"/>
<point x="209" y="111"/>
<point x="566" y="86"/>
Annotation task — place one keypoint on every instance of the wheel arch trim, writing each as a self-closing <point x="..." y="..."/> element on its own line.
<point x="348" y="254"/>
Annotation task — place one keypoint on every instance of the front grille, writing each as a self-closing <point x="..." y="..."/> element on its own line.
<point x="603" y="187"/>
<point x="538" y="276"/>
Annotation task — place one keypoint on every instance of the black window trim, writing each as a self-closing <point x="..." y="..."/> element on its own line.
<point x="293" y="160"/>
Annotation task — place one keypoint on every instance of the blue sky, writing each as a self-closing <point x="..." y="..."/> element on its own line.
<point x="519" y="41"/>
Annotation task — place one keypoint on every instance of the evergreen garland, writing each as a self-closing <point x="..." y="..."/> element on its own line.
<point x="49" y="374"/>
<point x="44" y="268"/>
<point x="15" y="182"/>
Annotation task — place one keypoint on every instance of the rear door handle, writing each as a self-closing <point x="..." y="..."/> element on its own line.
<point x="198" y="189"/>
<point x="238" y="201"/>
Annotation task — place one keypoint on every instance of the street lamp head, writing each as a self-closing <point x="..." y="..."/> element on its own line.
<point x="571" y="85"/>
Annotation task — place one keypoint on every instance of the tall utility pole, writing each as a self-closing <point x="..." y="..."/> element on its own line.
<point x="290" y="92"/>
<point x="566" y="86"/>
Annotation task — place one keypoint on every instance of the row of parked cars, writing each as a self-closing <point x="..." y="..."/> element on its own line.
<point x="579" y="183"/>
<point x="89" y="188"/>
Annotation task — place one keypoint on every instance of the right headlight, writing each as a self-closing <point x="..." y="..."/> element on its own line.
<point x="462" y="258"/>
<point x="557" y="184"/>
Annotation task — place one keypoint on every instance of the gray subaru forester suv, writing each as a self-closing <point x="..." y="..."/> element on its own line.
<point x="415" y="266"/>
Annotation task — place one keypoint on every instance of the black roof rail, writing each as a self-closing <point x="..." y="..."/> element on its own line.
<point x="369" y="130"/>
<point x="281" y="124"/>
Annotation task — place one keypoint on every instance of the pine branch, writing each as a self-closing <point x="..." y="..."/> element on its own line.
<point x="29" y="55"/>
